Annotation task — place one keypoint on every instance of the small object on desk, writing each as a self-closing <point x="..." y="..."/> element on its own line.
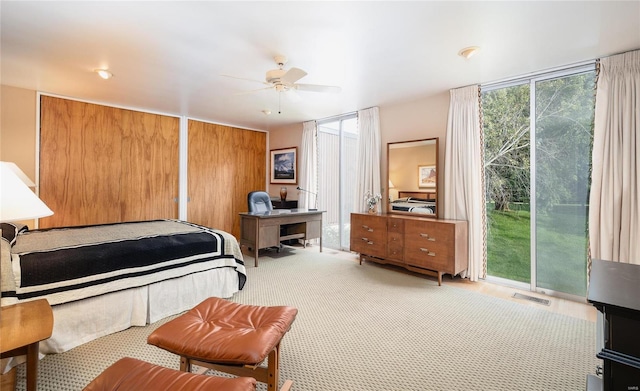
<point x="283" y="193"/>
<point x="22" y="327"/>
<point x="280" y="204"/>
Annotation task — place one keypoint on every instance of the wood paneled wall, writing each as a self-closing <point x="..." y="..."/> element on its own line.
<point x="224" y="165"/>
<point x="101" y="164"/>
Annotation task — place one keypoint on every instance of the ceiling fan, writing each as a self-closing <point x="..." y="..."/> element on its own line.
<point x="283" y="80"/>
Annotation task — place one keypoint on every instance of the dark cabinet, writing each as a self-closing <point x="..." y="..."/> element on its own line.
<point x="614" y="289"/>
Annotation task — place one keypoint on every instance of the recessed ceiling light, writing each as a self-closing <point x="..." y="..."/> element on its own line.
<point x="104" y="73"/>
<point x="468" y="52"/>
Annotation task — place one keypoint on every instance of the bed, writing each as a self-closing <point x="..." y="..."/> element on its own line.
<point x="415" y="202"/>
<point x="101" y="279"/>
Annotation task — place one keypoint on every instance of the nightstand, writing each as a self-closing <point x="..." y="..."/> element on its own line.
<point x="22" y="327"/>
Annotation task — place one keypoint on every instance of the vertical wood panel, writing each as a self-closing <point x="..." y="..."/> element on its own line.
<point x="79" y="162"/>
<point x="100" y="164"/>
<point x="149" y="181"/>
<point x="224" y="164"/>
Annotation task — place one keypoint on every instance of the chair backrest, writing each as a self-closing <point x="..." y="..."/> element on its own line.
<point x="259" y="201"/>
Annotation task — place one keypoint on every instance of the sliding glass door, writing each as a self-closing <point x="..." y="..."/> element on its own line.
<point x="564" y="108"/>
<point x="537" y="180"/>
<point x="337" y="153"/>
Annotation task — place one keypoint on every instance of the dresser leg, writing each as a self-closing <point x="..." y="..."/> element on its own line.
<point x="439" y="278"/>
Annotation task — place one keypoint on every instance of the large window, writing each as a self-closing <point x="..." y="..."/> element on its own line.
<point x="537" y="179"/>
<point x="337" y="154"/>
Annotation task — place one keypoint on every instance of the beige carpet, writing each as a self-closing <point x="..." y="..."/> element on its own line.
<point x="369" y="328"/>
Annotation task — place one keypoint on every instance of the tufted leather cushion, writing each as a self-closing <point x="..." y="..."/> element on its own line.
<point x="224" y="332"/>
<point x="130" y="374"/>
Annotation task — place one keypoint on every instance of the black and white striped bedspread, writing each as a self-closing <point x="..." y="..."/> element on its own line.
<point x="73" y="263"/>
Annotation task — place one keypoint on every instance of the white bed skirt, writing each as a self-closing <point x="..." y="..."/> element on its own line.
<point x="82" y="321"/>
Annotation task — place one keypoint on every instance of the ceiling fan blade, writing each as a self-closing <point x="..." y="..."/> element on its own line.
<point x="245" y="79"/>
<point x="317" y="88"/>
<point x="293" y="75"/>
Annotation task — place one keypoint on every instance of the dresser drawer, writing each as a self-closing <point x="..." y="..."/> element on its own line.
<point x="434" y="257"/>
<point x="369" y="234"/>
<point x="395" y="245"/>
<point x="395" y="225"/>
<point x="429" y="244"/>
<point x="422" y="233"/>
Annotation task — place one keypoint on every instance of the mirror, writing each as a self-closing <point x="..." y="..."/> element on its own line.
<point x="412" y="172"/>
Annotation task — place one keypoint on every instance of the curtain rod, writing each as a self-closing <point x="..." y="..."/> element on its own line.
<point x="353" y="113"/>
<point x="537" y="73"/>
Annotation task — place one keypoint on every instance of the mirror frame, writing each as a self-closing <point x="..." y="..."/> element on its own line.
<point x="399" y="144"/>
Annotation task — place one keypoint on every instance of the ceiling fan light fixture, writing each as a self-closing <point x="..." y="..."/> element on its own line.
<point x="469" y="52"/>
<point x="104" y="73"/>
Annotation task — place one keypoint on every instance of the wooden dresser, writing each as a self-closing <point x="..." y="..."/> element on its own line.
<point x="419" y="244"/>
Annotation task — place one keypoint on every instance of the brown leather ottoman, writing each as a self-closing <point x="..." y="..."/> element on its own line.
<point x="228" y="337"/>
<point x="129" y="374"/>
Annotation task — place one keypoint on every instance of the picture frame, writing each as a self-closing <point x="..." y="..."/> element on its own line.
<point x="284" y="165"/>
<point x="427" y="176"/>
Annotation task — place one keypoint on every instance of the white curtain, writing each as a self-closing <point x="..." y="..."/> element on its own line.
<point x="308" y="166"/>
<point x="368" y="171"/>
<point x="463" y="191"/>
<point x="614" y="205"/>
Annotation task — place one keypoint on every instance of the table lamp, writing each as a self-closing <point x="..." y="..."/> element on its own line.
<point x="17" y="201"/>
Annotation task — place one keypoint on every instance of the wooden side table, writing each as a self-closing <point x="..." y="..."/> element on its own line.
<point x="22" y="327"/>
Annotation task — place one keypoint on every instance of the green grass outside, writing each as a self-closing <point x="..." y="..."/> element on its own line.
<point x="561" y="251"/>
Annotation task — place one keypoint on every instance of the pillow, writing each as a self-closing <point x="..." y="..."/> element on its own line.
<point x="11" y="230"/>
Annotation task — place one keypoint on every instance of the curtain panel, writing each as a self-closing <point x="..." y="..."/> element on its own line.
<point x="368" y="170"/>
<point x="308" y="166"/>
<point x="464" y="170"/>
<point x="614" y="204"/>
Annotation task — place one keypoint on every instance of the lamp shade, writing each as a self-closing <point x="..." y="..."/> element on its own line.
<point x="17" y="201"/>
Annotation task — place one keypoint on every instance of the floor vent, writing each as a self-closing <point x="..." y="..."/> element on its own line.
<point x="531" y="298"/>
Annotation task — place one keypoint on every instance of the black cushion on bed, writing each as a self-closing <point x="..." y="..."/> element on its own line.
<point x="11" y="230"/>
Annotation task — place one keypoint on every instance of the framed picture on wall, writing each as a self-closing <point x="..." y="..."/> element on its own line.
<point x="427" y="176"/>
<point x="284" y="165"/>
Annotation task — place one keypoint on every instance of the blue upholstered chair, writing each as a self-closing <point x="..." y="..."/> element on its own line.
<point x="259" y="201"/>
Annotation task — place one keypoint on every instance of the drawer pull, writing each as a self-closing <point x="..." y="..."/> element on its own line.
<point x="365" y="239"/>
<point x="426" y="250"/>
<point x="428" y="237"/>
<point x="369" y="242"/>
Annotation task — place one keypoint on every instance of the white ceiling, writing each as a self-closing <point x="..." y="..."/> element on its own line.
<point x="168" y="57"/>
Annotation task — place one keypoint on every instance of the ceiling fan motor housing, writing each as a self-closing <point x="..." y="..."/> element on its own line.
<point x="274" y="75"/>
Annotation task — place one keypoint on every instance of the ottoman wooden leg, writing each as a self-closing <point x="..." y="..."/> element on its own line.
<point x="273" y="369"/>
<point x="185" y="364"/>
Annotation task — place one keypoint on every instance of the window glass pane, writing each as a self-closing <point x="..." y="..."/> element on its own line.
<point x="337" y="154"/>
<point x="506" y="142"/>
<point x="564" y="122"/>
<point x="349" y="167"/>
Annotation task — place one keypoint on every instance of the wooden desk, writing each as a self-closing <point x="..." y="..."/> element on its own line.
<point x="22" y="327"/>
<point x="267" y="229"/>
